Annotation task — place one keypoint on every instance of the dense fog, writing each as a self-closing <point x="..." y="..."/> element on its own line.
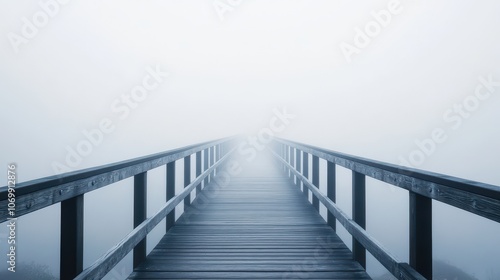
<point x="415" y="83"/>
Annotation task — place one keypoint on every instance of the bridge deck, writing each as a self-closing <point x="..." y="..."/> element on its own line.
<point x="256" y="227"/>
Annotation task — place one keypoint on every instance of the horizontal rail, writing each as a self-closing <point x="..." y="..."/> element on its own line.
<point x="401" y="270"/>
<point x="111" y="258"/>
<point x="40" y="193"/>
<point x="475" y="197"/>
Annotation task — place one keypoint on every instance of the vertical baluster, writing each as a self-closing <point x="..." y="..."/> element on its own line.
<point x="283" y="155"/>
<point x="305" y="172"/>
<point x="71" y="250"/>
<point x="298" y="165"/>
<point x="140" y="214"/>
<point x="421" y="234"/>
<point x="205" y="166"/>
<point x="359" y="214"/>
<point x="292" y="162"/>
<point x="198" y="171"/>
<point x="170" y="192"/>
<point x="212" y="161"/>
<point x="331" y="189"/>
<point x="315" y="180"/>
<point x="187" y="179"/>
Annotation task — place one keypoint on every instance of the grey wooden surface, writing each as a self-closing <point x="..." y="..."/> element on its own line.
<point x="259" y="226"/>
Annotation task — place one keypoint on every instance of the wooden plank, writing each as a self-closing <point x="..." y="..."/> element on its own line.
<point x="340" y="275"/>
<point x="252" y="228"/>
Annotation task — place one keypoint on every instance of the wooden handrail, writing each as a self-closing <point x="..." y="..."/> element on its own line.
<point x="69" y="190"/>
<point x="423" y="186"/>
<point x="479" y="198"/>
<point x="111" y="258"/>
<point x="40" y="193"/>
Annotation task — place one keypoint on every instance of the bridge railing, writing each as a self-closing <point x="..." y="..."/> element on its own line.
<point x="69" y="190"/>
<point x="423" y="186"/>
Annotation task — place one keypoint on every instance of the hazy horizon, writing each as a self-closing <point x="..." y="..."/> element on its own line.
<point x="404" y="82"/>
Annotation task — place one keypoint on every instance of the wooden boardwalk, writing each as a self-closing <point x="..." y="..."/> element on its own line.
<point x="256" y="227"/>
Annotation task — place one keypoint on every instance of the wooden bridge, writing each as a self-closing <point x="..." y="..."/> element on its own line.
<point x="252" y="221"/>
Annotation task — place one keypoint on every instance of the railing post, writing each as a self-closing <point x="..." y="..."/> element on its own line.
<point x="292" y="162"/>
<point x="212" y="161"/>
<point x="305" y="172"/>
<point x="283" y="155"/>
<point x="219" y="152"/>
<point x="187" y="179"/>
<point x="421" y="234"/>
<point x="205" y="166"/>
<point x="359" y="214"/>
<point x="298" y="165"/>
<point x="170" y="192"/>
<point x="198" y="171"/>
<point x="331" y="178"/>
<point x="140" y="214"/>
<point x="287" y="159"/>
<point x="217" y="158"/>
<point x="315" y="180"/>
<point x="71" y="250"/>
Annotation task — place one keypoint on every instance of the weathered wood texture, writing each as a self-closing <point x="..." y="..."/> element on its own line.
<point x="401" y="270"/>
<point x="476" y="197"/>
<point x="37" y="194"/>
<point x="252" y="228"/>
<point x="106" y="262"/>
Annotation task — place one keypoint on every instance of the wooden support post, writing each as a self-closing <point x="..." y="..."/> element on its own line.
<point x="305" y="171"/>
<point x="212" y="161"/>
<point x="421" y="234"/>
<point x="331" y="179"/>
<point x="170" y="192"/>
<point x="219" y="153"/>
<point x="315" y="180"/>
<point x="292" y="162"/>
<point x="283" y="155"/>
<point x="205" y="166"/>
<point x="359" y="214"/>
<point x="198" y="171"/>
<point x="71" y="250"/>
<point x="187" y="179"/>
<point x="140" y="214"/>
<point x="298" y="165"/>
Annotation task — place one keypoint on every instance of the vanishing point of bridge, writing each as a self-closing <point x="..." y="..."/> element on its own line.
<point x="254" y="222"/>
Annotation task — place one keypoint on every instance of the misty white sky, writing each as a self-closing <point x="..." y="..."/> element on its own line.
<point x="226" y="77"/>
